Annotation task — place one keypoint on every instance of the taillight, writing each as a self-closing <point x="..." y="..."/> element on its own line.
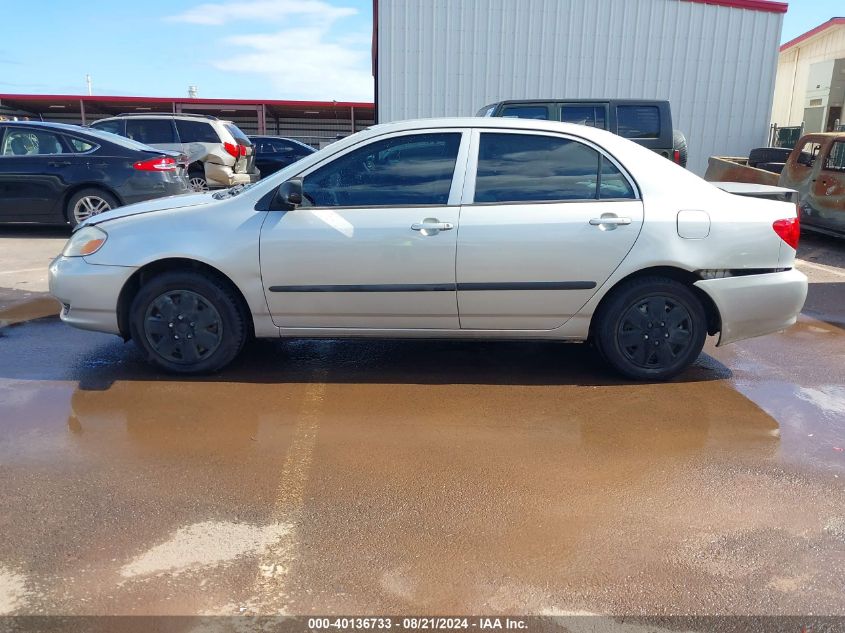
<point x="163" y="163"/>
<point x="789" y="230"/>
<point x="676" y="156"/>
<point x="232" y="149"/>
<point x="243" y="149"/>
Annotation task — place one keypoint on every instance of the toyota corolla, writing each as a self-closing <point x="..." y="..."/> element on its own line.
<point x="444" y="228"/>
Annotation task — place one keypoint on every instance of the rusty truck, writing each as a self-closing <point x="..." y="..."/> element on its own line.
<point x="815" y="168"/>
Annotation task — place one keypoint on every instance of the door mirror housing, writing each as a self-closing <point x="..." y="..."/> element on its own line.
<point x="288" y="195"/>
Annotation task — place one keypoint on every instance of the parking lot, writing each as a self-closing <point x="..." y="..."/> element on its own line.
<point x="418" y="477"/>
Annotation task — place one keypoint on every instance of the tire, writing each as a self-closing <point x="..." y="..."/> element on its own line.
<point x="87" y="203"/>
<point x="630" y="320"/>
<point x="768" y="155"/>
<point x="196" y="179"/>
<point x="174" y="308"/>
<point x="679" y="142"/>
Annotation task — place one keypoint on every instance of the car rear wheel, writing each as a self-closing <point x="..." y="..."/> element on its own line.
<point x="196" y="180"/>
<point x="651" y="328"/>
<point x="187" y="323"/>
<point x="87" y="203"/>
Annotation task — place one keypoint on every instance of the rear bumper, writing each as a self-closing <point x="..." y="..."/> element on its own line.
<point x="753" y="305"/>
<point x="224" y="176"/>
<point x="88" y="292"/>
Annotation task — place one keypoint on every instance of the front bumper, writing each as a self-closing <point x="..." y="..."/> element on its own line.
<point x="88" y="292"/>
<point x="753" y="305"/>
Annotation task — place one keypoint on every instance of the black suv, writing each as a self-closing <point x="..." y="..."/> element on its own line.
<point x="646" y="122"/>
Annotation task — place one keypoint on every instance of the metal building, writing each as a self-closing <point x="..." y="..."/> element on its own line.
<point x="713" y="59"/>
<point x="810" y="85"/>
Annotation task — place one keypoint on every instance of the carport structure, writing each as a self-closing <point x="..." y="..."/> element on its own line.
<point x="314" y="122"/>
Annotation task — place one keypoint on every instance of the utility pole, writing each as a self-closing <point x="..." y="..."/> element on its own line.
<point x="88" y="83"/>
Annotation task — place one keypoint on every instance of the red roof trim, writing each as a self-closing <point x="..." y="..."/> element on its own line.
<point x="124" y="99"/>
<point x="821" y="27"/>
<point x="754" y="5"/>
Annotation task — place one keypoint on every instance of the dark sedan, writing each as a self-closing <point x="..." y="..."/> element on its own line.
<point x="56" y="173"/>
<point x="272" y="153"/>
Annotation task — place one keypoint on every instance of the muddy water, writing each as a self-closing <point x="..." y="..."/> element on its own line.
<point x="420" y="477"/>
<point x="20" y="307"/>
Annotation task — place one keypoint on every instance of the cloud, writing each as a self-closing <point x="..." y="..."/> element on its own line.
<point x="304" y="63"/>
<point x="305" y="60"/>
<point x="216" y="14"/>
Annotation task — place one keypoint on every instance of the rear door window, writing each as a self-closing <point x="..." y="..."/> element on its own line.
<point x="526" y="112"/>
<point x="638" y="121"/>
<point x="151" y="131"/>
<point x="533" y="168"/>
<point x="196" y="132"/>
<point x="589" y="115"/>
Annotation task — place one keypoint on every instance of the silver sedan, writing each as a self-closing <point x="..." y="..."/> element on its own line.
<point x="448" y="228"/>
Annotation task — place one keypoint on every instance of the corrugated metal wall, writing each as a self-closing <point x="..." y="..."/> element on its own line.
<point x="715" y="64"/>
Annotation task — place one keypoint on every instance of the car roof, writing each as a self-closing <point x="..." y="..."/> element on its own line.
<point x="48" y="125"/>
<point x="604" y="100"/>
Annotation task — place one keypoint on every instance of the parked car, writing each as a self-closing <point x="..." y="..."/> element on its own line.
<point x="815" y="168"/>
<point x="220" y="154"/>
<point x="274" y="152"/>
<point x="445" y="228"/>
<point x="644" y="121"/>
<point x="56" y="173"/>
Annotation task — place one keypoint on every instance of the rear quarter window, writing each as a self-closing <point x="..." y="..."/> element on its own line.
<point x="836" y="159"/>
<point x="196" y="132"/>
<point x="638" y="121"/>
<point x="236" y="132"/>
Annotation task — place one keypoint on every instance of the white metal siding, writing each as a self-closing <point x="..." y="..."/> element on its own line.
<point x="715" y="64"/>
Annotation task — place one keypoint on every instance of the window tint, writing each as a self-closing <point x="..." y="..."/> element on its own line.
<point x="149" y="131"/>
<point x="613" y="184"/>
<point x="196" y="132"/>
<point x="81" y="146"/>
<point x="115" y="126"/>
<point x="404" y="170"/>
<point x="638" y="121"/>
<point x="526" y="112"/>
<point x="836" y="159"/>
<point x="19" y="142"/>
<point x="592" y="116"/>
<point x="530" y="168"/>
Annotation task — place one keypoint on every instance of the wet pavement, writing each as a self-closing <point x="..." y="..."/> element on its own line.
<point x="424" y="477"/>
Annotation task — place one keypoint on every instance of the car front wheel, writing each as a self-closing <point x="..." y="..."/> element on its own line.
<point x="651" y="328"/>
<point x="187" y="322"/>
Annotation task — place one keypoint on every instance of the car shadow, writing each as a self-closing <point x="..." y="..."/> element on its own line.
<point x="27" y="230"/>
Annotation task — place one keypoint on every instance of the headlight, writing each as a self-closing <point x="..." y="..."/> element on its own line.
<point x="85" y="241"/>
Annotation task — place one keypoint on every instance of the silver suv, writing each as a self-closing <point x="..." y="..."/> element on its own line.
<point x="219" y="153"/>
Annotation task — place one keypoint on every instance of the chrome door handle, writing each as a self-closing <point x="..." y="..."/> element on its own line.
<point x="610" y="220"/>
<point x="431" y="226"/>
<point x="440" y="226"/>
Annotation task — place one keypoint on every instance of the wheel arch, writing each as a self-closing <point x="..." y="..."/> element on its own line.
<point x="173" y="264"/>
<point x="685" y="277"/>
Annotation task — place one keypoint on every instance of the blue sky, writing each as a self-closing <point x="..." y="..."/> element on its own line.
<point x="283" y="49"/>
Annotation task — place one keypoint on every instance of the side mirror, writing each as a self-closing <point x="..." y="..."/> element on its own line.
<point x="289" y="194"/>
